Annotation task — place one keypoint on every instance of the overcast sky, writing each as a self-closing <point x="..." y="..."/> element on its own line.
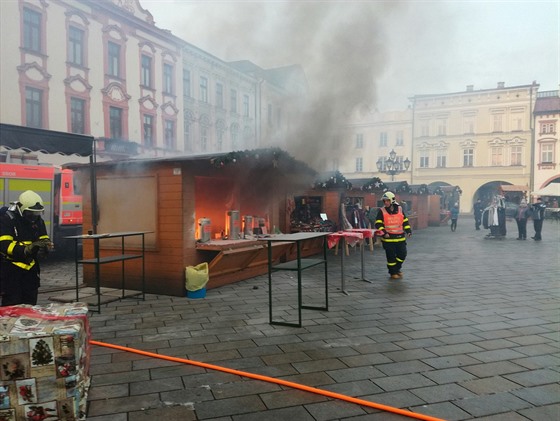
<point x="382" y="52"/>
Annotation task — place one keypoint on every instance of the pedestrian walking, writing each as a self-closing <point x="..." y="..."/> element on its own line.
<point x="395" y="228"/>
<point x="538" y="218"/>
<point x="521" y="215"/>
<point x="478" y="208"/>
<point x="23" y="237"/>
<point x="454" y="216"/>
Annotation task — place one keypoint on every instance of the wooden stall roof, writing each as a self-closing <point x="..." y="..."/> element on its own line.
<point x="275" y="156"/>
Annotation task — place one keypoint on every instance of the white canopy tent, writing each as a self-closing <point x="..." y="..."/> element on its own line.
<point x="553" y="189"/>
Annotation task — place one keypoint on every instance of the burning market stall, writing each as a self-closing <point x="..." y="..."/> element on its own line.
<point x="341" y="202"/>
<point x="194" y="209"/>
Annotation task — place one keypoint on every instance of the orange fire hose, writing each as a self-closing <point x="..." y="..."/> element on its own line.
<point x="277" y="381"/>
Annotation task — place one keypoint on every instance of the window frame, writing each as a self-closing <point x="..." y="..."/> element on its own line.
<point x="468" y="155"/>
<point x="116" y="122"/>
<point x="32" y="30"/>
<point x="219" y="95"/>
<point x="383" y="139"/>
<point x="80" y="112"/>
<point x="359" y="140"/>
<point x="203" y="89"/>
<point x="549" y="146"/>
<point x="114" y="52"/>
<point x="168" y="85"/>
<point x="34" y="107"/>
<point x="168" y="133"/>
<point x="146" y="71"/>
<point x="148" y="138"/>
<point x="76" y="55"/>
<point x="359" y="164"/>
<point x="233" y="100"/>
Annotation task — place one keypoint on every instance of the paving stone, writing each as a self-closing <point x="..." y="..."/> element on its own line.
<point x="187" y="396"/>
<point x="124" y="404"/>
<point x="403" y="382"/>
<point x="354" y="388"/>
<point x="494" y="369"/>
<point x="170" y="413"/>
<point x="335" y="409"/>
<point x="444" y="410"/>
<point x="440" y="393"/>
<point x="353" y="374"/>
<point x="396" y="399"/>
<point x="541" y="361"/>
<point x="549" y="412"/>
<point x="318" y="365"/>
<point x="540" y="395"/>
<point x="409" y="354"/>
<point x="496" y="355"/>
<point x="406" y="367"/>
<point x="535" y="377"/>
<point x="122" y="377"/>
<point x="153" y="386"/>
<point x="505" y="416"/>
<point x="228" y="407"/>
<point x="489" y="385"/>
<point x="111" y="391"/>
<point x="484" y="405"/>
<point x="294" y="413"/>
<point x="365" y="360"/>
<point x="290" y="397"/>
<point x="110" y="368"/>
<point x="113" y="417"/>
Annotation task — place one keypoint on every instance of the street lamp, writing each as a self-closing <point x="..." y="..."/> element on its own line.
<point x="392" y="165"/>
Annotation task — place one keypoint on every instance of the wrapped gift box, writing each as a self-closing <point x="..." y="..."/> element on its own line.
<point x="44" y="362"/>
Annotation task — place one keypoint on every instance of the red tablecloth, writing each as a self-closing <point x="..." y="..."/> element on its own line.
<point x="351" y="238"/>
<point x="368" y="233"/>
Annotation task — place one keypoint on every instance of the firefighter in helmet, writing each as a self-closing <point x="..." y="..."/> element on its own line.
<point x="394" y="227"/>
<point x="23" y="237"/>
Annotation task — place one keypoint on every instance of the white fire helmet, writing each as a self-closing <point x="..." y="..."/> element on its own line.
<point x="389" y="196"/>
<point x="30" y="201"/>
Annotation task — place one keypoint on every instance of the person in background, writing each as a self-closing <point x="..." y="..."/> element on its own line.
<point x="394" y="228"/>
<point x="478" y="208"/>
<point x="521" y="215"/>
<point x="538" y="218"/>
<point x="454" y="216"/>
<point x="23" y="237"/>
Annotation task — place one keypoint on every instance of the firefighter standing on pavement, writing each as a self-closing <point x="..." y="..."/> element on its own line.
<point x="23" y="236"/>
<point x="395" y="228"/>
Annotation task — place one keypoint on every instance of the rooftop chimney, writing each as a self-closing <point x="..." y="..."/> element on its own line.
<point x="470" y="88"/>
<point x="501" y="85"/>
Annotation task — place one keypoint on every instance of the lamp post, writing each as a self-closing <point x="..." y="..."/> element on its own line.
<point x="392" y="165"/>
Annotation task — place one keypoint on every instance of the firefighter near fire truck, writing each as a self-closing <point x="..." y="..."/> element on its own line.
<point x="23" y="240"/>
<point x="394" y="229"/>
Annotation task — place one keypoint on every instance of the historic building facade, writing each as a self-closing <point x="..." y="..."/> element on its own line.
<point x="103" y="68"/>
<point x="547" y="142"/>
<point x="474" y="139"/>
<point x="100" y="68"/>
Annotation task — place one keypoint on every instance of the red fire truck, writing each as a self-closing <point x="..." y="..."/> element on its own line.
<point x="57" y="188"/>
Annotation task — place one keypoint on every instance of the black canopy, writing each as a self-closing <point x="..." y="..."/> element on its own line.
<point x="16" y="137"/>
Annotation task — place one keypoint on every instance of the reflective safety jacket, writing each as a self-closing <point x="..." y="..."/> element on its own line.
<point x="16" y="233"/>
<point x="394" y="222"/>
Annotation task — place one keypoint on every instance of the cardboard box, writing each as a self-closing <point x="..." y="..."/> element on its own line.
<point x="44" y="362"/>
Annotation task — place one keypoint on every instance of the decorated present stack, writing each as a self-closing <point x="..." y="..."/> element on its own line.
<point x="44" y="362"/>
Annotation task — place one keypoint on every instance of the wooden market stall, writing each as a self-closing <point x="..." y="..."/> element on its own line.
<point x="195" y="209"/>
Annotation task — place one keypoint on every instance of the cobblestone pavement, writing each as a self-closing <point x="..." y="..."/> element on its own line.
<point x="471" y="332"/>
